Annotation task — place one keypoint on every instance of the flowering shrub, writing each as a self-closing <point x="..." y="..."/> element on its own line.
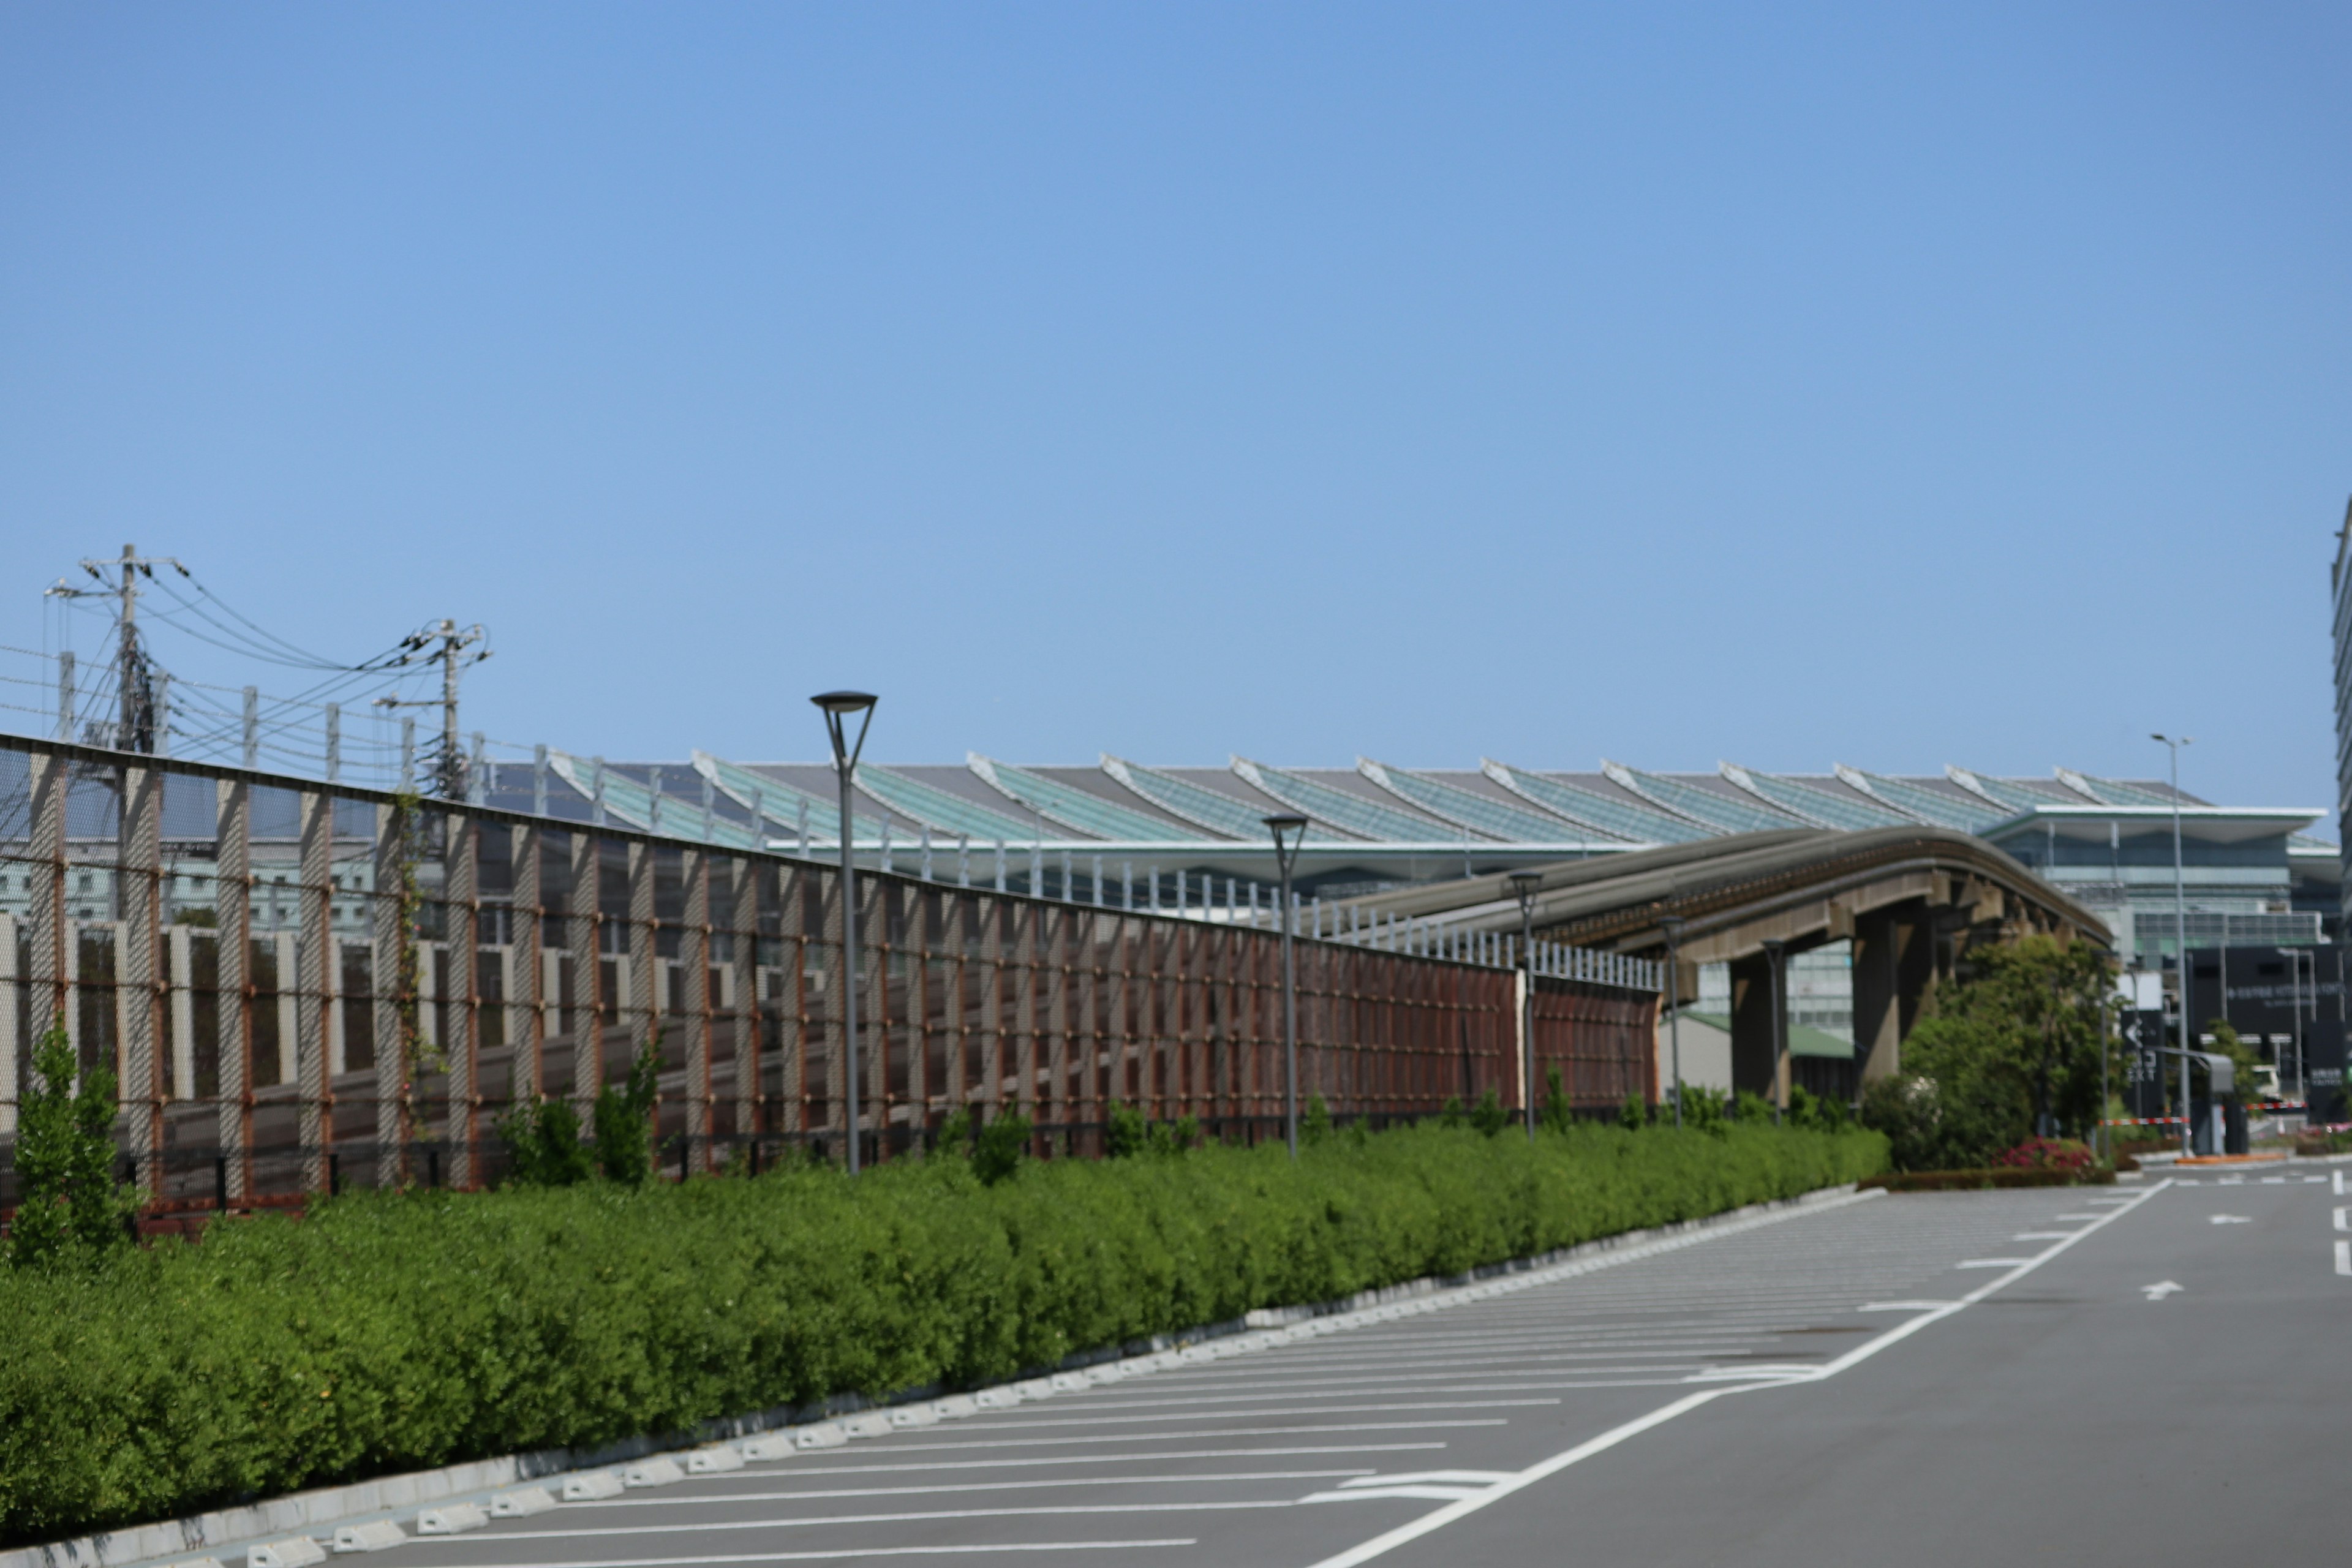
<point x="2047" y="1154"/>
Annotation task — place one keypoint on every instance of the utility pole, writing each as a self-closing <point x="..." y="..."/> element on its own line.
<point x="448" y="774"/>
<point x="138" y="725"/>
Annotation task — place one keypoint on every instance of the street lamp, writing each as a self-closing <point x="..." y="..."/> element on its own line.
<point x="1672" y="925"/>
<point x="1525" y="886"/>
<point x="1289" y="831"/>
<point x="839" y="708"/>
<point x="2180" y="931"/>
<point x="1775" y="956"/>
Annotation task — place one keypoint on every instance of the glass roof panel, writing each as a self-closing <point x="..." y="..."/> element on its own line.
<point x="1718" y="810"/>
<point x="1342" y="810"/>
<point x="1823" y="805"/>
<point x="1077" y="810"/>
<point x="631" y="805"/>
<point x="1217" y="813"/>
<point x="1513" y="825"/>
<point x="1964" y="812"/>
<point x="780" y="803"/>
<point x="2114" y="792"/>
<point x="2013" y="798"/>
<point x="1625" y="818"/>
<point x="948" y="813"/>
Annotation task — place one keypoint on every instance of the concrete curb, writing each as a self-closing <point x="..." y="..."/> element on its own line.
<point x="200" y="1536"/>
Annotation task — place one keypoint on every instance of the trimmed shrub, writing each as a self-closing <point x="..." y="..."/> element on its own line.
<point x="391" y="1332"/>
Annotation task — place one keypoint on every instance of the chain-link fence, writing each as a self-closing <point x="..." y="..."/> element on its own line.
<point x="302" y="986"/>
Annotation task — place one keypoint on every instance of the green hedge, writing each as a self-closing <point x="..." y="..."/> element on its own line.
<point x="389" y="1333"/>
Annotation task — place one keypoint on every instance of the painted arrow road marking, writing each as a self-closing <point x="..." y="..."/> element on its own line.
<point x="2159" y="1293"/>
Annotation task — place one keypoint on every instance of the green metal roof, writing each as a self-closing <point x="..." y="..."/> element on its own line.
<point x="635" y="806"/>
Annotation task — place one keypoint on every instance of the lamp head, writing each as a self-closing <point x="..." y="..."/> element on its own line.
<point x="844" y="702"/>
<point x="1672" y="926"/>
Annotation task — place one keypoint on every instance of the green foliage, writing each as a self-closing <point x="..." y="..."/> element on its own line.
<point x="1002" y="1147"/>
<point x="1315" y="1124"/>
<point x="2243" y="1061"/>
<point x="1129" y="1133"/>
<point x="1557" y="1115"/>
<point x="1702" y="1109"/>
<point x="392" y="1331"/>
<point x="1451" y="1113"/>
<point x="958" y="1130"/>
<point x="71" y="1211"/>
<point x="2016" y="1044"/>
<point x="1819" y="1113"/>
<point x="1750" y="1107"/>
<point x="622" y="1119"/>
<point x="1633" y="1115"/>
<point x="1175" y="1137"/>
<point x="1490" y="1117"/>
<point x="544" y="1146"/>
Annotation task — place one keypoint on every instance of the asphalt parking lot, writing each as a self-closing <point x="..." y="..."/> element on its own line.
<point x="1721" y="1397"/>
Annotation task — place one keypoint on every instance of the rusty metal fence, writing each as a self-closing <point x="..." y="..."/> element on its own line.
<point x="302" y="985"/>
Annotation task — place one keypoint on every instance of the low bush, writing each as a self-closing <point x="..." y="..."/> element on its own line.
<point x="1992" y="1176"/>
<point x="2048" y="1154"/>
<point x="390" y="1331"/>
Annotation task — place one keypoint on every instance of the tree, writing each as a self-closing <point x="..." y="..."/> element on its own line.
<point x="622" y="1120"/>
<point x="2010" y="1053"/>
<point x="69" y="1206"/>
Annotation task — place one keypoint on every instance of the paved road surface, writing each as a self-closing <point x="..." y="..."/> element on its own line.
<point x="1929" y="1379"/>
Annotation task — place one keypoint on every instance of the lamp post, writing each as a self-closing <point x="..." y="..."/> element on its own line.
<point x="1289" y="831"/>
<point x="1525" y="886"/>
<point x="2180" y="932"/>
<point x="839" y="708"/>
<point x="1672" y="925"/>
<point x="1776" y="957"/>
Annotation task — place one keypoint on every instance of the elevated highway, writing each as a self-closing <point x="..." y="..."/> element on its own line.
<point x="1912" y="900"/>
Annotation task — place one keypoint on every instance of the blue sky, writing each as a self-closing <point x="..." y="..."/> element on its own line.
<point x="1893" y="385"/>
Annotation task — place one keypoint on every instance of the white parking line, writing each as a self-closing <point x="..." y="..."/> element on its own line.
<point x="1438" y="1518"/>
<point x="923" y="1517"/>
<point x="839" y="1552"/>
<point x="2344" y="1218"/>
<point x="816" y="1463"/>
<point x="2343" y="1258"/>
<point x="701" y="1499"/>
<point x="982" y="1435"/>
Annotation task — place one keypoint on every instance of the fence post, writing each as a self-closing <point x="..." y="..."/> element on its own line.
<point x="526" y="936"/>
<point x="461" y="921"/>
<point x="694" y="974"/>
<point x="584" y="925"/>
<point x="139" y="867"/>
<point x="388" y="941"/>
<point x="745" y="879"/>
<point x="233" y="929"/>
<point x="314" y="951"/>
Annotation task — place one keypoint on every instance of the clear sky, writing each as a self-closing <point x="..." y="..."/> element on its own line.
<point x="1797" y="384"/>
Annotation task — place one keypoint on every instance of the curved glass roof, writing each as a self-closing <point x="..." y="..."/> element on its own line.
<point x="632" y="803"/>
<point x="1638" y="823"/>
<point x="2114" y="792"/>
<point x="2008" y="796"/>
<point x="1207" y="808"/>
<point x="943" y="813"/>
<point x="1338" y="807"/>
<point x="1483" y="813"/>
<point x="1696" y="801"/>
<point x="1077" y="809"/>
<point x="780" y="803"/>
<point x="1964" y="812"/>
<point x="1813" y="802"/>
